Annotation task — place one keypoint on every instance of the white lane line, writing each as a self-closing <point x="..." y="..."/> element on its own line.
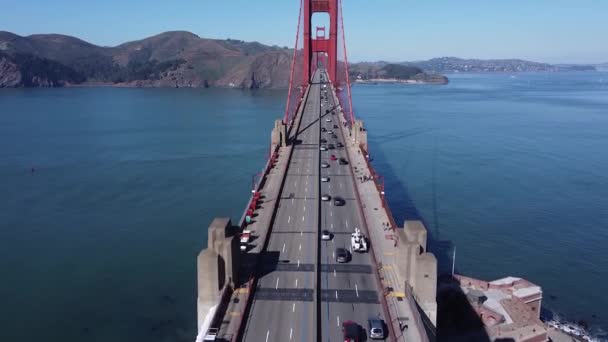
<point x="336" y="294"/>
<point x="302" y="218"/>
<point x="304" y="208"/>
<point x="300" y="247"/>
<point x="332" y="226"/>
<point x="277" y="287"/>
<point x="356" y="290"/>
<point x="333" y="255"/>
<point x="267" y="335"/>
<point x="291" y="330"/>
<point x="293" y="309"/>
<point x="306" y="189"/>
<point x="296" y="282"/>
<point x="301" y="233"/>
<point x="289" y="219"/>
<point x="331" y="213"/>
<point x="298" y="263"/>
<point x="334" y="272"/>
<point x="337" y="320"/>
<point x="295" y="184"/>
<point x="346" y="222"/>
<point x="283" y="249"/>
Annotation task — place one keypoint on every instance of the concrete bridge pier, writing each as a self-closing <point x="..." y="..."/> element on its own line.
<point x="360" y="134"/>
<point x="417" y="267"/>
<point x="278" y="136"/>
<point x="217" y="265"/>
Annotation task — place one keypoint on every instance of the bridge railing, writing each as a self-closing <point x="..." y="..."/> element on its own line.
<point x="376" y="177"/>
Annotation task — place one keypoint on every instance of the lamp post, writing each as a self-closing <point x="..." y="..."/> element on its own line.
<point x="253" y="180"/>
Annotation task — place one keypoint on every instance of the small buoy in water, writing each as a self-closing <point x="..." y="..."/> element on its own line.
<point x="32" y="170"/>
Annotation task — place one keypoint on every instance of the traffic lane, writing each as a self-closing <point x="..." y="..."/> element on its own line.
<point x="292" y="279"/>
<point x="282" y="321"/>
<point x="337" y="313"/>
<point x="305" y="185"/>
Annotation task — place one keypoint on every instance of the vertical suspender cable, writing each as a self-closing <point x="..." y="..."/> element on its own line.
<point x="350" y="101"/>
<point x="293" y="62"/>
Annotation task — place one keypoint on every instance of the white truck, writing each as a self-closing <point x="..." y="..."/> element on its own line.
<point x="358" y="241"/>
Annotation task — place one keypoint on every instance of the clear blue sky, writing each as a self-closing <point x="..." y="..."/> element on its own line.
<point x="395" y="30"/>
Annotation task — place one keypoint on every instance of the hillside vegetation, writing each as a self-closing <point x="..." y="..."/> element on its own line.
<point x="388" y="71"/>
<point x="170" y="59"/>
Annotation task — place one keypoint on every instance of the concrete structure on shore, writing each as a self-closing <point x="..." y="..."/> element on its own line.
<point x="509" y="307"/>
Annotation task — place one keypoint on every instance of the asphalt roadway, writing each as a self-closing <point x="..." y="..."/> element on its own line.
<point x="349" y="291"/>
<point x="283" y="308"/>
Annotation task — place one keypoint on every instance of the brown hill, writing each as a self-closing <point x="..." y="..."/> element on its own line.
<point x="170" y="59"/>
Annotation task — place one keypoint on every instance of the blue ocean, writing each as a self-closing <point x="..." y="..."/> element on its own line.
<point x="107" y="192"/>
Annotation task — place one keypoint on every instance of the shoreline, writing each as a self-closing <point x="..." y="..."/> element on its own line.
<point x="375" y="81"/>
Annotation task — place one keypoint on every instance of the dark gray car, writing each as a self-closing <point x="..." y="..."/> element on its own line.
<point x="341" y="255"/>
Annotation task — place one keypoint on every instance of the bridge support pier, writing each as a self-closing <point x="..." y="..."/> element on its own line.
<point x="278" y="136"/>
<point x="417" y="267"/>
<point x="217" y="266"/>
<point x="360" y="134"/>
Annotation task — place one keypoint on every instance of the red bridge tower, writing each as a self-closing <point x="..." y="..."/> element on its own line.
<point x="320" y="47"/>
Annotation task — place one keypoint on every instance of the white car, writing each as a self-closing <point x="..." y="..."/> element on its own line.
<point x="329" y="132"/>
<point x="324" y="165"/>
<point x="325" y="235"/>
<point x="325" y="179"/>
<point x="325" y="197"/>
<point x="323" y="148"/>
<point x="328" y="120"/>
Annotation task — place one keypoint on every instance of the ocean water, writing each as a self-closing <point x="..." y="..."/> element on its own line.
<point x="107" y="193"/>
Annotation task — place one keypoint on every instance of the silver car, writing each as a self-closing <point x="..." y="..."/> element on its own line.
<point x="376" y="329"/>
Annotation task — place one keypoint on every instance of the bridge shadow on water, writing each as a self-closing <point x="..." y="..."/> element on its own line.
<point x="457" y="320"/>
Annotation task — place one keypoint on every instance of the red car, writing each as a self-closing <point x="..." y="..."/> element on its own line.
<point x="352" y="331"/>
<point x="333" y="157"/>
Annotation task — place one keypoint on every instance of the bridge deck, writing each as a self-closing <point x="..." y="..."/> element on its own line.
<point x="302" y="292"/>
